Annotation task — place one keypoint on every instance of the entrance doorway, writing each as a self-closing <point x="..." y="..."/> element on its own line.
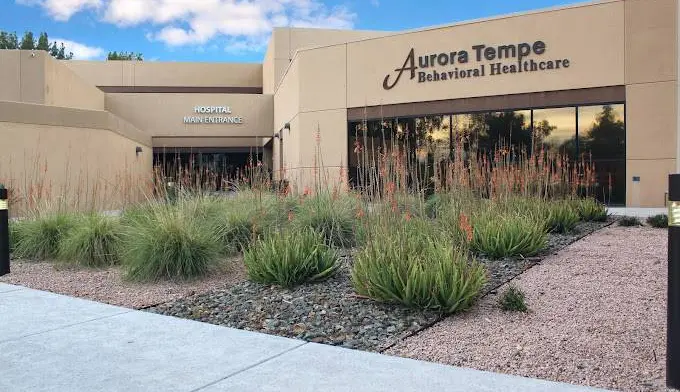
<point x="210" y="169"/>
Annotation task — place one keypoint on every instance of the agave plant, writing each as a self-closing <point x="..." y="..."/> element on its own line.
<point x="290" y="258"/>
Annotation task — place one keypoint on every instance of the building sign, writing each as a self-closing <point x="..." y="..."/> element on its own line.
<point x="212" y="115"/>
<point x="488" y="61"/>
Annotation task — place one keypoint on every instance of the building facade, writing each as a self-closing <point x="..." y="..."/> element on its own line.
<point x="595" y="80"/>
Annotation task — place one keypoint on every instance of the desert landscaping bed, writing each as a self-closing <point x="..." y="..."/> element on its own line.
<point x="597" y="317"/>
<point x="330" y="312"/>
<point x="108" y="285"/>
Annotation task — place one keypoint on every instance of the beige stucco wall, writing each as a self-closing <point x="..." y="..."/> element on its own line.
<point x="64" y="88"/>
<point x="175" y="74"/>
<point x="73" y="158"/>
<point x="268" y="69"/>
<point x="651" y="100"/>
<point x="163" y="114"/>
<point x="285" y="42"/>
<point x="10" y="77"/>
<point x="35" y="77"/>
<point x="595" y="50"/>
<point x="286" y="110"/>
<point x="23" y="76"/>
<point x="315" y="148"/>
<point x="253" y="143"/>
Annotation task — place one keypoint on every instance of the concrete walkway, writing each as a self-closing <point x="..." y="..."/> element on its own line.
<point x="50" y="342"/>
<point x="641" y="213"/>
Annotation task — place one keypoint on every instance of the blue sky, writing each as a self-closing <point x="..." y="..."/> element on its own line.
<point x="226" y="30"/>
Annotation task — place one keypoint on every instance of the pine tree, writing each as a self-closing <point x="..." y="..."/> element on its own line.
<point x="124" y="56"/>
<point x="54" y="49"/>
<point x="27" y="42"/>
<point x="11" y="41"/>
<point x="43" y="42"/>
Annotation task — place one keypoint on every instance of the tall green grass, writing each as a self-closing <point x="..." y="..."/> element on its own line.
<point x="166" y="241"/>
<point x="333" y="217"/>
<point x="38" y="237"/>
<point x="93" y="241"/>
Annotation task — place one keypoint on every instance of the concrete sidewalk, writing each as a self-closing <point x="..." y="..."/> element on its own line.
<point x="50" y="342"/>
<point x="641" y="213"/>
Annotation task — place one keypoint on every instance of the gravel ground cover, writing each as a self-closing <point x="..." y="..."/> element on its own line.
<point x="330" y="312"/>
<point x="597" y="316"/>
<point x="108" y="286"/>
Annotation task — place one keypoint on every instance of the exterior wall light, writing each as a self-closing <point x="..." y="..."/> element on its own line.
<point x="138" y="150"/>
<point x="287" y="126"/>
<point x="674" y="214"/>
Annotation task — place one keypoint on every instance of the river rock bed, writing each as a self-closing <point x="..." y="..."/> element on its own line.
<point x="330" y="312"/>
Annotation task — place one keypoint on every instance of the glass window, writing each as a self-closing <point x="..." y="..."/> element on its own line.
<point x="368" y="140"/>
<point x="555" y="130"/>
<point x="428" y="142"/>
<point x="602" y="144"/>
<point x="432" y="138"/>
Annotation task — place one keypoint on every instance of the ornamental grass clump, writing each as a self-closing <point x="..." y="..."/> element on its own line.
<point x="498" y="235"/>
<point x="659" y="221"/>
<point x="169" y="242"/>
<point x="630" y="221"/>
<point x="93" y="241"/>
<point x="590" y="210"/>
<point x="38" y="237"/>
<point x="291" y="257"/>
<point x="405" y="265"/>
<point x="513" y="299"/>
<point x="560" y="217"/>
<point x="234" y="228"/>
<point x="332" y="216"/>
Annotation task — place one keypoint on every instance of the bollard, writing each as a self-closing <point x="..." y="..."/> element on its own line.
<point x="4" y="232"/>
<point x="673" y="312"/>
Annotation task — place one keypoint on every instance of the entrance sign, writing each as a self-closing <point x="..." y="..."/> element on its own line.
<point x="480" y="53"/>
<point x="211" y="119"/>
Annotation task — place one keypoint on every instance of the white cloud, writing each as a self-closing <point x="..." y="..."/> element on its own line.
<point x="238" y="25"/>
<point x="63" y="10"/>
<point x="80" y="51"/>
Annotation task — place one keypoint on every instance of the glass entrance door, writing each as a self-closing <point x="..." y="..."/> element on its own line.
<point x="206" y="169"/>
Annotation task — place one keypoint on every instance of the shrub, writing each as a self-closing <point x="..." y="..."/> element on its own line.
<point x="407" y="266"/>
<point x="513" y="299"/>
<point x="560" y="217"/>
<point x="235" y="228"/>
<point x="659" y="221"/>
<point x="629" y="221"/>
<point x="289" y="258"/>
<point x="169" y="242"/>
<point x="92" y="242"/>
<point x="334" y="217"/>
<point x="39" y="237"/>
<point x="499" y="235"/>
<point x="590" y="210"/>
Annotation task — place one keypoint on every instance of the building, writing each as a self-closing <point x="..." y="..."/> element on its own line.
<point x="601" y="76"/>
